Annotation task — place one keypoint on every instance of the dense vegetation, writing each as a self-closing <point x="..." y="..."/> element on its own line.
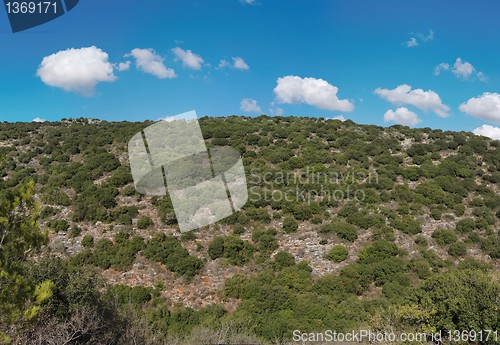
<point x="347" y="227"/>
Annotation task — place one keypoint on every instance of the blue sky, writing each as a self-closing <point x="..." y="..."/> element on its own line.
<point x="307" y="58"/>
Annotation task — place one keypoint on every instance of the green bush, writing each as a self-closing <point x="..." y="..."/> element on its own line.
<point x="378" y="250"/>
<point x="238" y="229"/>
<point x="169" y="251"/>
<point x="126" y="294"/>
<point x="407" y="225"/>
<point x="265" y="239"/>
<point x="88" y="241"/>
<point x="444" y="237"/>
<point x="342" y="229"/>
<point x="457" y="249"/>
<point x="144" y="222"/>
<point x="216" y="248"/>
<point x="337" y="254"/>
<point x="421" y="241"/>
<point x="290" y="225"/>
<point x="59" y="225"/>
<point x="75" y="231"/>
<point x="466" y="225"/>
<point x="283" y="259"/>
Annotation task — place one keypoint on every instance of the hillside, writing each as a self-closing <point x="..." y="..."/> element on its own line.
<point x="347" y="227"/>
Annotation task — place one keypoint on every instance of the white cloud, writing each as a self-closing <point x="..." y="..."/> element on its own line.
<point x="402" y="116"/>
<point x="250" y="106"/>
<point x="239" y="63"/>
<point x="441" y="67"/>
<point x="147" y="61"/>
<point x="38" y="119"/>
<point x="415" y="40"/>
<point x="248" y="2"/>
<point x="223" y="63"/>
<point x="485" y="107"/>
<point x="77" y="70"/>
<point x="426" y="38"/>
<point x="412" y="42"/>
<point x="276" y="111"/>
<point x="188" y="58"/>
<point x="482" y="77"/>
<point x="124" y="66"/>
<point x="488" y="131"/>
<point x="423" y="100"/>
<point x="460" y="69"/>
<point x="312" y="91"/>
<point x="340" y="118"/>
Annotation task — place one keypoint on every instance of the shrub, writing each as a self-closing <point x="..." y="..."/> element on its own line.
<point x="124" y="294"/>
<point x="378" y="250"/>
<point x="466" y="225"/>
<point x="460" y="300"/>
<point x="169" y="251"/>
<point x="216" y="248"/>
<point x="75" y="231"/>
<point x="290" y="225"/>
<point x="265" y="239"/>
<point x="337" y="254"/>
<point x="283" y="259"/>
<point x="407" y="225"/>
<point x="421" y="241"/>
<point x="88" y="241"/>
<point x="236" y="250"/>
<point x="233" y="248"/>
<point x="444" y="236"/>
<point x="59" y="225"/>
<point x="491" y="246"/>
<point x="144" y="222"/>
<point x="342" y="229"/>
<point x="238" y="229"/>
<point x="188" y="236"/>
<point x="457" y="249"/>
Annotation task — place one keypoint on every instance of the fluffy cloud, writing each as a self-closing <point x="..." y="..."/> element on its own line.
<point x="188" y="58"/>
<point x="488" y="131"/>
<point x="38" y="119"/>
<point x="250" y="106"/>
<point x="340" y="118"/>
<point x="248" y="2"/>
<point x="124" y="66"/>
<point x="402" y="116"/>
<point x="274" y="110"/>
<point x="238" y="63"/>
<point x="223" y="63"/>
<point x="316" y="92"/>
<point x="485" y="107"/>
<point x="419" y="37"/>
<point x="277" y="111"/>
<point x="412" y="42"/>
<point x="77" y="70"/>
<point x="441" y="67"/>
<point x="424" y="100"/>
<point x="461" y="69"/>
<point x="426" y="37"/>
<point x="481" y="76"/>
<point x="147" y="61"/>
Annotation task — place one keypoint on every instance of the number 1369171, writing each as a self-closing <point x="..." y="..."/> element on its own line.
<point x="31" y="7"/>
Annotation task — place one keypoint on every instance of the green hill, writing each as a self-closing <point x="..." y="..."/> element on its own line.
<point x="347" y="227"/>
